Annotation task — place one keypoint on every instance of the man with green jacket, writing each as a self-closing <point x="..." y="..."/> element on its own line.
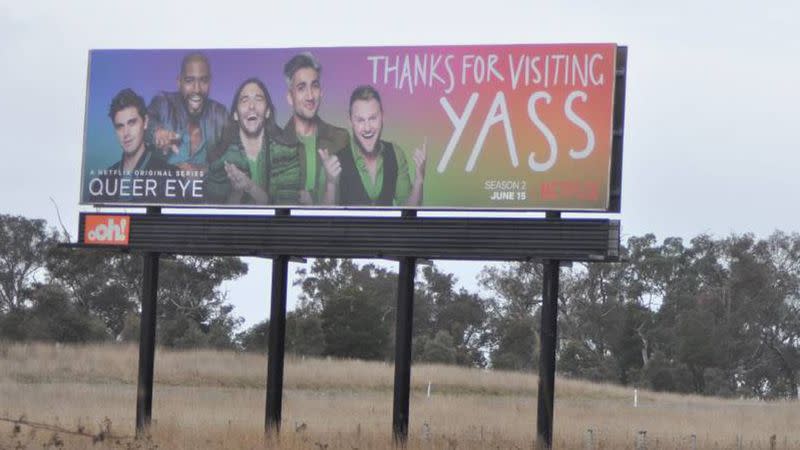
<point x="312" y="136"/>
<point x="252" y="165"/>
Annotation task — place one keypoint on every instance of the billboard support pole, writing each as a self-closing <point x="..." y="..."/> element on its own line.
<point x="277" y="339"/>
<point x="147" y="338"/>
<point x="547" y="352"/>
<point x="402" y="349"/>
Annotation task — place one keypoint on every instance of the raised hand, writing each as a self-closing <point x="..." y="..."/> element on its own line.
<point x="304" y="197"/>
<point x="239" y="180"/>
<point x="420" y="156"/>
<point x="166" y="140"/>
<point x="333" y="168"/>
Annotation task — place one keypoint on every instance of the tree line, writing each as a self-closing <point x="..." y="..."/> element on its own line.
<point x="714" y="316"/>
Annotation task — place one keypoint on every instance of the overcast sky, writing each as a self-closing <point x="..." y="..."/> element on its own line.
<point x="712" y="101"/>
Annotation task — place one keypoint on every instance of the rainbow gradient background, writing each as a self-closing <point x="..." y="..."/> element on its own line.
<point x="409" y="118"/>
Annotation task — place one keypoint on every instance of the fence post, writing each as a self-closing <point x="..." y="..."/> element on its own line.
<point x="641" y="440"/>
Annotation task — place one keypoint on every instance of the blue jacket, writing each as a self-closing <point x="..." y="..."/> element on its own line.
<point x="167" y="111"/>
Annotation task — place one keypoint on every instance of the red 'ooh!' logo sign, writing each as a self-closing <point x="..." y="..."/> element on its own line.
<point x="107" y="230"/>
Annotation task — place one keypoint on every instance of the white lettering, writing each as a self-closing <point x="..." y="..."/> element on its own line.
<point x="498" y="112"/>
<point x="150" y="189"/>
<point x="459" y="123"/>
<point x="184" y="185"/>
<point x="447" y="65"/>
<point x="515" y="70"/>
<point x="96" y="186"/>
<point x="466" y="64"/>
<point x="197" y="188"/>
<point x="374" y="60"/>
<point x="406" y="75"/>
<point x="596" y="80"/>
<point x="548" y="135"/>
<point x="493" y="70"/>
<point x="574" y="118"/>
<point x="169" y="188"/>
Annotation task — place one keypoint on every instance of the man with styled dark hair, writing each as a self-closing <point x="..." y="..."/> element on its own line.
<point x="317" y="141"/>
<point x="375" y="172"/>
<point x="186" y="124"/>
<point x="129" y="117"/>
<point x="135" y="176"/>
<point x="124" y="99"/>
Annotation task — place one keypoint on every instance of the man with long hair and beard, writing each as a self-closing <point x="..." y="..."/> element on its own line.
<point x="252" y="165"/>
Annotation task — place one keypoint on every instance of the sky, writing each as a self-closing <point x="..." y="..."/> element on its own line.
<point x="710" y="135"/>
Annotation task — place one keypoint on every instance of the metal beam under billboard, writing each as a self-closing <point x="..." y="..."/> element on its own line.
<point x="493" y="127"/>
<point x="351" y="237"/>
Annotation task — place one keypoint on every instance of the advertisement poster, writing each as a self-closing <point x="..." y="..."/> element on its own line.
<point x="498" y="127"/>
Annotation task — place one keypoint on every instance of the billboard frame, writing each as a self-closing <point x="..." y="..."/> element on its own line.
<point x="614" y="197"/>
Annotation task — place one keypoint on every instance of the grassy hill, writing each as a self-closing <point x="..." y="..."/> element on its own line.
<point x="66" y="395"/>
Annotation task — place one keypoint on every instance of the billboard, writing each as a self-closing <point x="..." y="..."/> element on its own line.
<point x="495" y="127"/>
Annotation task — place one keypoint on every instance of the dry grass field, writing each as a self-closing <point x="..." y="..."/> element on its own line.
<point x="68" y="395"/>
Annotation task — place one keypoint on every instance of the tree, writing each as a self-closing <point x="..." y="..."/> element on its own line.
<point x="601" y="337"/>
<point x="192" y="310"/>
<point x="98" y="281"/>
<point x="439" y="349"/>
<point x="353" y="326"/>
<point x="766" y="278"/>
<point x="461" y="316"/>
<point x="513" y="314"/>
<point x="24" y="248"/>
<point x="516" y="345"/>
<point x="351" y="309"/>
<point x="355" y="306"/>
<point x="52" y="317"/>
<point x="256" y="338"/>
<point x="304" y="334"/>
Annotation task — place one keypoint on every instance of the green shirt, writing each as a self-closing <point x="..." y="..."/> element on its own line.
<point x="315" y="175"/>
<point x="258" y="169"/>
<point x="282" y="184"/>
<point x="403" y="184"/>
<point x="284" y="174"/>
<point x="310" y="144"/>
